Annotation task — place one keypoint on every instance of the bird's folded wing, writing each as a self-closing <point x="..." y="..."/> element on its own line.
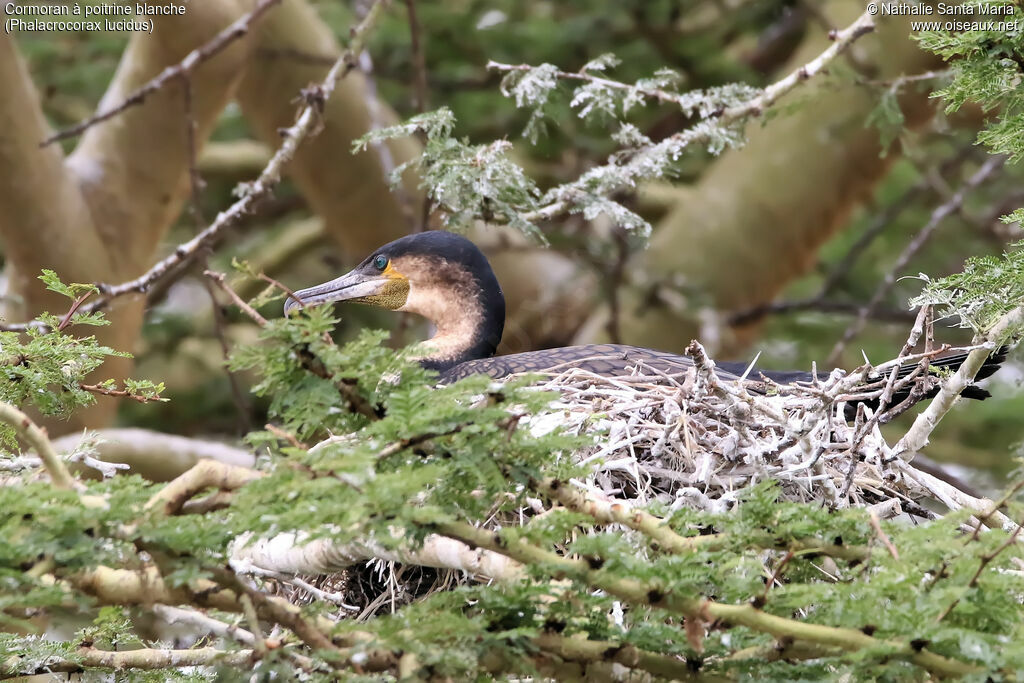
<point x="608" y="360"/>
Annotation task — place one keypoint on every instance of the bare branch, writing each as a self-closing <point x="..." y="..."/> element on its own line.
<point x="938" y="215"/>
<point x="155" y="455"/>
<point x="306" y="124"/>
<point x="863" y="25"/>
<point x="218" y="279"/>
<point x="917" y="436"/>
<point x="418" y="57"/>
<point x="180" y="70"/>
<point x="293" y="554"/>
<point x="118" y="393"/>
<point x="206" y="474"/>
<point x="876" y="524"/>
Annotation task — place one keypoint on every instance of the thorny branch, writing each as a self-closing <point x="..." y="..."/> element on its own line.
<point x="218" y="279"/>
<point x="917" y="436"/>
<point x="418" y="57"/>
<point x="118" y="393"/>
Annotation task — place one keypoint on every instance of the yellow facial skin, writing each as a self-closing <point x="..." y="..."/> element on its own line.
<point x="392" y="294"/>
<point x="429" y="285"/>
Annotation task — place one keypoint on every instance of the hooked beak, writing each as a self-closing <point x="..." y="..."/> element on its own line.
<point x="352" y="286"/>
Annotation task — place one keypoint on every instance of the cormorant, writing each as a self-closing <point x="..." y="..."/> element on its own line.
<point x="445" y="278"/>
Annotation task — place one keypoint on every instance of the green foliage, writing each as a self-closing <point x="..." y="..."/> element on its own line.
<point x="47" y="366"/>
<point x="111" y="627"/>
<point x="988" y="288"/>
<point x="464" y="453"/>
<point x="374" y="474"/>
<point x="897" y="600"/>
<point x="986" y="68"/>
<point x="46" y="369"/>
<point x="465" y="181"/>
<point x="888" y="118"/>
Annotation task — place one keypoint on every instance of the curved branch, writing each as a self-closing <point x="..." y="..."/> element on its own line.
<point x="206" y="474"/>
<point x="183" y="69"/>
<point x="146" y="586"/>
<point x="307" y="123"/>
<point x="291" y="554"/>
<point x="755" y="106"/>
<point x="36" y="437"/>
<point x="154" y="455"/>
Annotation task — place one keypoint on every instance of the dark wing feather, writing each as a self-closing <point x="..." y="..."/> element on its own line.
<point x="619" y="360"/>
<point x="609" y="360"/>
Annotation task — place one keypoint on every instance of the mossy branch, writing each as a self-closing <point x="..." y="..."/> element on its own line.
<point x="658" y="530"/>
<point x="145" y="659"/>
<point x="641" y="593"/>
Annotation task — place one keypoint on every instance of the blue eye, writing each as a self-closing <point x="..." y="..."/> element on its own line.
<point x="380" y="262"/>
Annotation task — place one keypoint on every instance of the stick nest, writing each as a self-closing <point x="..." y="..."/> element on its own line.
<point x="698" y="441"/>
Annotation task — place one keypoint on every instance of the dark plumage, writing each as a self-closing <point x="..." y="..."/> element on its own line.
<point x="447" y="279"/>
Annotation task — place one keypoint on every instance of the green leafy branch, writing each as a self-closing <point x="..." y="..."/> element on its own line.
<point x="480" y="182"/>
<point x="777" y="588"/>
<point x="986" y="67"/>
<point x="48" y="368"/>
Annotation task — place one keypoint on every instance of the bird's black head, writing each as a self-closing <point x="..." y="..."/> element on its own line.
<point x="440" y="275"/>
